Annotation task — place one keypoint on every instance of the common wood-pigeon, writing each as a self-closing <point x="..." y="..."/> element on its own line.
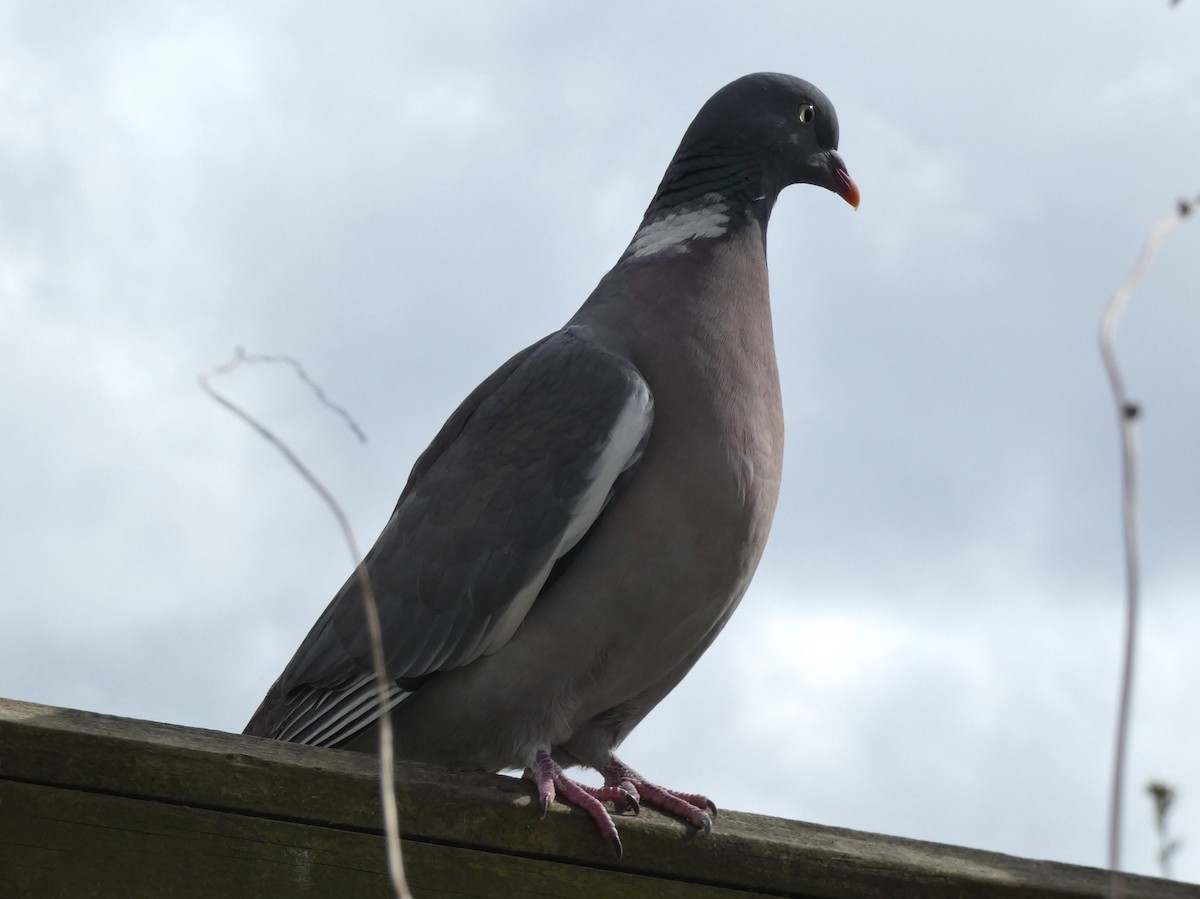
<point x="587" y="520"/>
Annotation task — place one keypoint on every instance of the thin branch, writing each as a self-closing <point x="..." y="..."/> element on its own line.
<point x="1127" y="414"/>
<point x="387" y="785"/>
<point x="240" y="356"/>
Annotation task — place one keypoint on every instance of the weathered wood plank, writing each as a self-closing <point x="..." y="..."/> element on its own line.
<point x="193" y="804"/>
<point x="58" y="842"/>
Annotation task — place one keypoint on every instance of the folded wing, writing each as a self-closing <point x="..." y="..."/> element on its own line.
<point x="513" y="481"/>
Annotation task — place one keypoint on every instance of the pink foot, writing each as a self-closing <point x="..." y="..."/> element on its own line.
<point x="693" y="808"/>
<point x="551" y="782"/>
<point x="624" y="787"/>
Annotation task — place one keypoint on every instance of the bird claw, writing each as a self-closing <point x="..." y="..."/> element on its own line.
<point x="543" y="773"/>
<point x="623" y="796"/>
<point x="615" y="842"/>
<point x="627" y="791"/>
<point x="552" y="784"/>
<point x="695" y="809"/>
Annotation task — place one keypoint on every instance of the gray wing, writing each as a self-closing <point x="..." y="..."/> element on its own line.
<point x="511" y="483"/>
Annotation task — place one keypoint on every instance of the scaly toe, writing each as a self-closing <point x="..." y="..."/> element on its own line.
<point x="687" y="806"/>
<point x="699" y="801"/>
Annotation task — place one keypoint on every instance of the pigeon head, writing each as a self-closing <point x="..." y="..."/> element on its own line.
<point x="754" y="137"/>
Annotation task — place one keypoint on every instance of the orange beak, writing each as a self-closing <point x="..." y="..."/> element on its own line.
<point x="843" y="184"/>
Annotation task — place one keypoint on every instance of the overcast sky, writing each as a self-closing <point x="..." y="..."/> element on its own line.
<point x="402" y="198"/>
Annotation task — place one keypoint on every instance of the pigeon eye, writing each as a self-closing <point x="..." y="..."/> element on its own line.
<point x="806" y="113"/>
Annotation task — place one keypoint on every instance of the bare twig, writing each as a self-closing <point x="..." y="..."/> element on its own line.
<point x="1163" y="795"/>
<point x="240" y="356"/>
<point x="387" y="786"/>
<point x="1127" y="414"/>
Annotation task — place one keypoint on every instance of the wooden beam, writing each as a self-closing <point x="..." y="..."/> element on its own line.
<point x="95" y="805"/>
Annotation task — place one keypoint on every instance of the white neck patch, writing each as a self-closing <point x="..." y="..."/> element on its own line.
<point x="672" y="232"/>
